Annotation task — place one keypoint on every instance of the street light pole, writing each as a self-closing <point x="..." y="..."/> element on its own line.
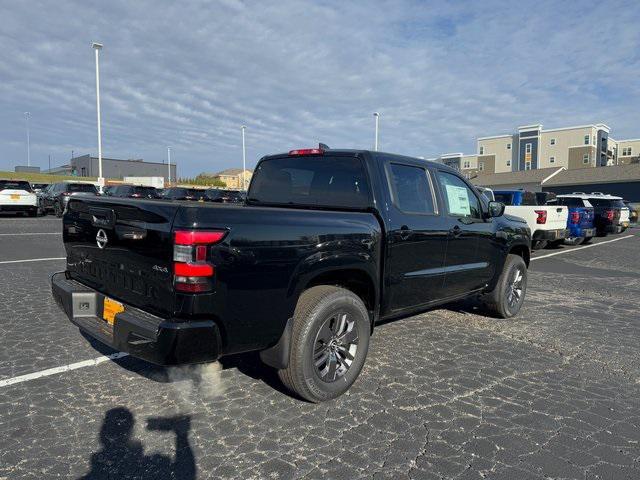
<point x="169" y="163"/>
<point x="376" y="115"/>
<point x="244" y="161"/>
<point x="97" y="47"/>
<point x="27" y="115"/>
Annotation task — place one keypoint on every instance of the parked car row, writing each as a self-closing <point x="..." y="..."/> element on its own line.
<point x="19" y="196"/>
<point x="569" y="218"/>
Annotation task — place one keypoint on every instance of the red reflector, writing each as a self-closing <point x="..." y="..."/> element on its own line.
<point x="542" y="216"/>
<point x="201" y="253"/>
<point x="194" y="237"/>
<point x="609" y="214"/>
<point x="306" y="151"/>
<point x="193" y="269"/>
<point x="575" y="217"/>
<point x="192" y="287"/>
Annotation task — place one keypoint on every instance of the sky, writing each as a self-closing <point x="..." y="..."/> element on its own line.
<point x="189" y="74"/>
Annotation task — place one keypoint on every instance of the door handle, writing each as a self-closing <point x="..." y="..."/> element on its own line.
<point x="405" y="232"/>
<point x="455" y="231"/>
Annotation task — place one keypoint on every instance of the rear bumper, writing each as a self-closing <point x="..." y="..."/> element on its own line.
<point x="582" y="232"/>
<point x="135" y="331"/>
<point x="558" y="234"/>
<point x="18" y="208"/>
<point x="613" y="228"/>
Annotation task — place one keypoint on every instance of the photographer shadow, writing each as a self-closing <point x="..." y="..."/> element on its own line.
<point x="122" y="456"/>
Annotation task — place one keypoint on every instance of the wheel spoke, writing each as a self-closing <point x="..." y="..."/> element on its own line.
<point x="349" y="337"/>
<point x="347" y="354"/>
<point x="321" y="358"/>
<point x="340" y="325"/>
<point x="332" y="365"/>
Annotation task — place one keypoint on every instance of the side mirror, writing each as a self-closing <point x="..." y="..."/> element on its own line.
<point x="496" y="209"/>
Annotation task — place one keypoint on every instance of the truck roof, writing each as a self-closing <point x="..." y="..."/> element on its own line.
<point x="373" y="154"/>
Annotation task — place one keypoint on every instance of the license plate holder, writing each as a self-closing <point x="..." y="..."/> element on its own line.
<point x="110" y="309"/>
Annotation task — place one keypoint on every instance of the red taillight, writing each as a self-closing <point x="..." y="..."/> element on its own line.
<point x="192" y="271"/>
<point x="609" y="214"/>
<point x="575" y="217"/>
<point x="198" y="237"/>
<point x="542" y="216"/>
<point x="306" y="151"/>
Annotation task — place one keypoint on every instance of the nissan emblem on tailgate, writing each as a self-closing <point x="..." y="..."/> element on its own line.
<point x="101" y="239"/>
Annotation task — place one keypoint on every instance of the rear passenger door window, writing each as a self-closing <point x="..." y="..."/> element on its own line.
<point x="459" y="199"/>
<point x="412" y="189"/>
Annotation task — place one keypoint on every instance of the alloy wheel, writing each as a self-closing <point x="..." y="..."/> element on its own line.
<point x="335" y="347"/>
<point x="514" y="288"/>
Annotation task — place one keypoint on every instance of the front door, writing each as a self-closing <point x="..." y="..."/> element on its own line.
<point x="469" y="263"/>
<point x="417" y="239"/>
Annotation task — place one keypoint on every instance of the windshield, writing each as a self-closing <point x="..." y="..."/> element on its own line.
<point x="323" y="181"/>
<point x="15" y="185"/>
<point x="506" y="198"/>
<point x="146" y="191"/>
<point x="81" y="187"/>
<point x="605" y="202"/>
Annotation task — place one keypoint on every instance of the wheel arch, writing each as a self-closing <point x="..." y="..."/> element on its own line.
<point x="357" y="280"/>
<point x="522" y="251"/>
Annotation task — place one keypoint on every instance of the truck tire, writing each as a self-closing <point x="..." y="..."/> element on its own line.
<point x="587" y="240"/>
<point x="507" y="297"/>
<point x="329" y="343"/>
<point x="538" y="244"/>
<point x="574" y="241"/>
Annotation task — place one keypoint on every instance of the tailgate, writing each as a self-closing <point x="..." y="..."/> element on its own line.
<point x="586" y="217"/>
<point x="17" y="197"/>
<point x="556" y="217"/>
<point x="123" y="249"/>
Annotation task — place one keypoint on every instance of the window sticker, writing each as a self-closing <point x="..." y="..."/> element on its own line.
<point x="458" y="199"/>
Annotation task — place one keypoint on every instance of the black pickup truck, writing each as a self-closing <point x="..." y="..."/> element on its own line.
<point x="328" y="243"/>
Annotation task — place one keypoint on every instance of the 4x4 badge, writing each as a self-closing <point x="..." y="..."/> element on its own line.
<point x="101" y="239"/>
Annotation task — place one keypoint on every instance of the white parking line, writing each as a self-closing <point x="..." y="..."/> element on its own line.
<point x="65" y="368"/>
<point x="32" y="260"/>
<point x="580" y="248"/>
<point x="34" y="233"/>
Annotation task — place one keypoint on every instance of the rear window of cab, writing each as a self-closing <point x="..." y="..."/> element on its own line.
<point x="322" y="181"/>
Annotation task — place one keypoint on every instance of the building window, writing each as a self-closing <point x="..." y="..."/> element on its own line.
<point x="508" y="146"/>
<point x="553" y="141"/>
<point x="626" y="151"/>
<point x="508" y="163"/>
<point x="527" y="148"/>
<point x="481" y="166"/>
<point x="552" y="159"/>
<point x="527" y="165"/>
<point x="481" y="149"/>
<point x="585" y="158"/>
<point x="586" y="139"/>
<point x="466" y="164"/>
<point x="83" y="172"/>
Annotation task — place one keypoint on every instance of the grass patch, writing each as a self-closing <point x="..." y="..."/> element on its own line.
<point x="43" y="177"/>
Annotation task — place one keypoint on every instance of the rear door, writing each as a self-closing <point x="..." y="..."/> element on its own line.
<point x="469" y="261"/>
<point x="417" y="239"/>
<point x="123" y="249"/>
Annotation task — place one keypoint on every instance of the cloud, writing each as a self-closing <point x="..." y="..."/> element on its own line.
<point x="189" y="74"/>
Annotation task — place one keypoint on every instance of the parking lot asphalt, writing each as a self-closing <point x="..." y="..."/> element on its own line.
<point x="553" y="393"/>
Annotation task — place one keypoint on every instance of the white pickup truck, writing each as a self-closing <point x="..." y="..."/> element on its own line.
<point x="548" y="223"/>
<point x="17" y="196"/>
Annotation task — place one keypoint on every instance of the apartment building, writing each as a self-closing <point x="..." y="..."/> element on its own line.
<point x="531" y="147"/>
<point x="628" y="151"/>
